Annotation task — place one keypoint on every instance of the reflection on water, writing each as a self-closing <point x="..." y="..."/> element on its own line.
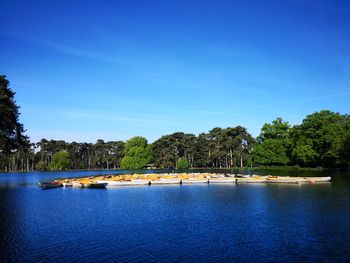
<point x="245" y="222"/>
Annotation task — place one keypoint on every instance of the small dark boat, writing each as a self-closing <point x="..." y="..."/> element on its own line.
<point x="95" y="185"/>
<point x="50" y="185"/>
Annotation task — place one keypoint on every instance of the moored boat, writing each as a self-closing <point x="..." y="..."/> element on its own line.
<point x="67" y="184"/>
<point x="123" y="183"/>
<point x="166" y="181"/>
<point x="77" y="184"/>
<point x="222" y="181"/>
<point x="194" y="181"/>
<point x="317" y="179"/>
<point x="95" y="185"/>
<point x="50" y="185"/>
<point x="250" y="180"/>
<point x="242" y="175"/>
<point x="285" y="180"/>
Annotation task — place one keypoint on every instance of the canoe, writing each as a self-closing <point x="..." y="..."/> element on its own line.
<point x="318" y="179"/>
<point x="77" y="184"/>
<point x="223" y="181"/>
<point x="242" y="175"/>
<point x="250" y="180"/>
<point x="194" y="181"/>
<point x="124" y="183"/>
<point x="284" y="180"/>
<point x="95" y="185"/>
<point x="166" y="181"/>
<point x="50" y="185"/>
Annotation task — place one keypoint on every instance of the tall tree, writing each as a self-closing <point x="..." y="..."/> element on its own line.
<point x="273" y="144"/>
<point x="320" y="139"/>
<point x="11" y="130"/>
<point x="60" y="161"/>
<point x="137" y="153"/>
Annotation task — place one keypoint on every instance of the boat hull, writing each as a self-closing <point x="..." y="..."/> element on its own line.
<point x="77" y="184"/>
<point x="49" y="185"/>
<point x="96" y="185"/>
<point x="124" y="183"/>
<point x="318" y="179"/>
<point x="222" y="181"/>
<point x="199" y="181"/>
<point x="250" y="181"/>
<point x="166" y="181"/>
<point x="283" y="181"/>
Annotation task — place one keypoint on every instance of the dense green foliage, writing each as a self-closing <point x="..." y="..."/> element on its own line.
<point x="321" y="140"/>
<point x="60" y="161"/>
<point x="101" y="155"/>
<point x="14" y="145"/>
<point x="228" y="147"/>
<point x="137" y="153"/>
<point x="273" y="144"/>
<point x="182" y="163"/>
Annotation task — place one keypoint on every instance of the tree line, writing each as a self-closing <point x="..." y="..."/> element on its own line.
<point x="322" y="139"/>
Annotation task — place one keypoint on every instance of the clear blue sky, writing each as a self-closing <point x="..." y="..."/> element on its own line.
<point x="85" y="70"/>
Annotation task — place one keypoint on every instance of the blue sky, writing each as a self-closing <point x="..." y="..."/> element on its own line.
<point x="85" y="70"/>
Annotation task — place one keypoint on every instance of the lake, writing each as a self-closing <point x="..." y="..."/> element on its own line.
<point x="206" y="223"/>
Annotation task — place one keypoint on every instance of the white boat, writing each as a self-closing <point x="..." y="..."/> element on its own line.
<point x="124" y="183"/>
<point x="194" y="181"/>
<point x="67" y="184"/>
<point x="243" y="175"/>
<point x="166" y="181"/>
<point x="77" y="184"/>
<point x="250" y="180"/>
<point x="222" y="181"/>
<point x="317" y="179"/>
<point x="284" y="180"/>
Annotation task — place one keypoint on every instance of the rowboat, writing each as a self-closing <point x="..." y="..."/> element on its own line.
<point x="194" y="181"/>
<point x="250" y="180"/>
<point x="222" y="181"/>
<point x="166" y="181"/>
<point x="77" y="184"/>
<point x="285" y="180"/>
<point x="123" y="183"/>
<point x="50" y="185"/>
<point x="95" y="185"/>
<point x="242" y="175"/>
<point x="318" y="179"/>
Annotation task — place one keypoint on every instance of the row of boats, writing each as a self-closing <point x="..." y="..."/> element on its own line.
<point x="175" y="178"/>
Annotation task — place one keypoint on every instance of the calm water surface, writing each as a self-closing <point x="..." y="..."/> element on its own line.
<point x="247" y="223"/>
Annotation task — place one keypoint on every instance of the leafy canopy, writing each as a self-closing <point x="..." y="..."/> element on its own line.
<point x="137" y="153"/>
<point x="11" y="130"/>
<point x="60" y="161"/>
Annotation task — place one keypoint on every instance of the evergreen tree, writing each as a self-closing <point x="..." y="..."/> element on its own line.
<point x="11" y="130"/>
